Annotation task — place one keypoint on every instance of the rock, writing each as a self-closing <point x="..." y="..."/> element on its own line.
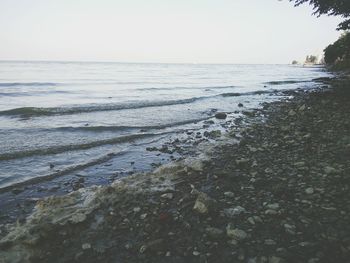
<point x="302" y="108"/>
<point x="203" y="203"/>
<point x="251" y="220"/>
<point x="86" y="246"/>
<point x="54" y="188"/>
<point x="143" y="216"/>
<point x="154" y="245"/>
<point x="212" y="134"/>
<point x="240" y="105"/>
<point x="221" y="115"/>
<point x="78" y="218"/>
<point x="168" y="196"/>
<point x="270" y="242"/>
<point x="291" y="113"/>
<point x="271" y="212"/>
<point x="235" y="233"/>
<point x="17" y="191"/>
<point x="289" y="228"/>
<point x="196" y="253"/>
<point x="309" y="191"/>
<point x="242" y="161"/>
<point x="137" y="209"/>
<point x="330" y="170"/>
<point x="232" y="212"/>
<point x="254" y="220"/>
<point x="274" y="206"/>
<point x="252" y="149"/>
<point x="274" y="259"/>
<point x="214" y="232"/>
<point x="229" y="194"/>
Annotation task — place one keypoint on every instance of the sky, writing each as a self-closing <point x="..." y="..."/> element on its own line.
<point x="162" y="31"/>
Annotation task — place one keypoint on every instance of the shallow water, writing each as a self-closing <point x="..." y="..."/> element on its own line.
<point x="93" y="118"/>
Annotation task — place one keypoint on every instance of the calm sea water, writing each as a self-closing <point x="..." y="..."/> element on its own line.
<point x="90" y="118"/>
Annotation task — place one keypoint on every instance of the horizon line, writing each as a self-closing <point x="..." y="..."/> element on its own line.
<point x="131" y="62"/>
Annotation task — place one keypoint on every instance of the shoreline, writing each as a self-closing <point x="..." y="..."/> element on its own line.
<point x="279" y="195"/>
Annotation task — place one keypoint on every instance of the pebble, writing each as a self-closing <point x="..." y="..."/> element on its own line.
<point x="274" y="206"/>
<point x="232" y="212"/>
<point x="214" y="232"/>
<point x="196" y="253"/>
<point x="202" y="204"/>
<point x="137" y="209"/>
<point x="270" y="212"/>
<point x="309" y="191"/>
<point x="291" y="113"/>
<point x="330" y="170"/>
<point x="221" y="115"/>
<point x="289" y="228"/>
<point x="235" y="233"/>
<point x="168" y="196"/>
<point x="270" y="242"/>
<point x="274" y="259"/>
<point x="229" y="194"/>
<point x="86" y="246"/>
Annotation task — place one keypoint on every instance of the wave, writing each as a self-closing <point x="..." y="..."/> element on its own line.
<point x="125" y="128"/>
<point x="36" y="112"/>
<point x="285" y="82"/>
<point x="258" y="92"/>
<point x="33" y="111"/>
<point x="75" y="147"/>
<point x="5" y="186"/>
<point x="27" y="84"/>
<point x="188" y="88"/>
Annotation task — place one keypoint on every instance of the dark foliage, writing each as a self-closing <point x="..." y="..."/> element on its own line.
<point x="330" y="7"/>
<point x="339" y="51"/>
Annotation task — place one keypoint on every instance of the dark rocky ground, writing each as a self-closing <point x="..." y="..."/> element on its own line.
<point x="280" y="195"/>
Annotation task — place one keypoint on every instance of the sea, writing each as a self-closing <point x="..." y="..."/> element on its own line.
<point x="101" y="120"/>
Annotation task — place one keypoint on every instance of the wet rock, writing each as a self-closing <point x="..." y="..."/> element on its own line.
<point x="17" y="191"/>
<point x="168" y="196"/>
<point x="254" y="220"/>
<point x="203" y="203"/>
<point x="235" y="233"/>
<point x="292" y="113"/>
<point x="232" y="212"/>
<point x="214" y="232"/>
<point x="270" y="242"/>
<point x="229" y="194"/>
<point x="137" y="209"/>
<point x="240" y="105"/>
<point x="221" y="115"/>
<point x="302" y="108"/>
<point x="271" y="212"/>
<point x="274" y="206"/>
<point x="289" y="228"/>
<point x="274" y="259"/>
<point x="78" y="218"/>
<point x="330" y="170"/>
<point x="212" y="134"/>
<point x="152" y="246"/>
<point x="86" y="246"/>
<point x="242" y="161"/>
<point x="309" y="191"/>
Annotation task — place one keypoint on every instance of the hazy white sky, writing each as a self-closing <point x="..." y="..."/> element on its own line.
<point x="180" y="31"/>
